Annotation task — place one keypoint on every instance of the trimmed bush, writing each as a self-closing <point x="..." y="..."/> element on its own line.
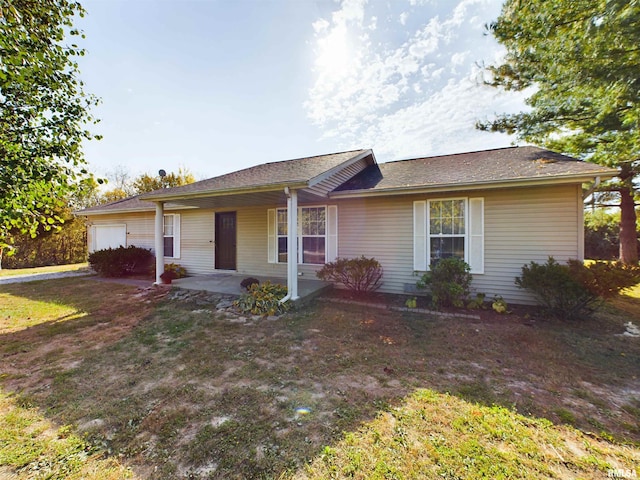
<point x="449" y="282"/>
<point x="263" y="299"/>
<point x="121" y="261"/>
<point x="555" y="289"/>
<point x="356" y="274"/>
<point x="574" y="290"/>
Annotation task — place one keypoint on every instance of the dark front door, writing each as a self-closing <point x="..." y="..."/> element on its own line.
<point x="225" y="241"/>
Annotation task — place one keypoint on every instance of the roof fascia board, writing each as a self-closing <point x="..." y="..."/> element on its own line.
<point x="471" y="186"/>
<point x="150" y="208"/>
<point x="274" y="187"/>
<point x="324" y="175"/>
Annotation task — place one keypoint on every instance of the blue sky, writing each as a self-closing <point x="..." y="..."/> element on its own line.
<point x="219" y="85"/>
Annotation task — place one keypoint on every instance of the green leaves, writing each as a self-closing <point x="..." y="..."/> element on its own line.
<point x="581" y="58"/>
<point x="43" y="112"/>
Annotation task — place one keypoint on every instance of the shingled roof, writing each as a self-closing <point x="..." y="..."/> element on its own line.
<point x="482" y="169"/>
<point x="299" y="172"/>
<point x="487" y="167"/>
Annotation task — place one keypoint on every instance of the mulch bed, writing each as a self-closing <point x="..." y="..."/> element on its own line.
<point x="396" y="301"/>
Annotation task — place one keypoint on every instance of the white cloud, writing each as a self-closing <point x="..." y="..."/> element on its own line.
<point x="320" y="25"/>
<point x="413" y="97"/>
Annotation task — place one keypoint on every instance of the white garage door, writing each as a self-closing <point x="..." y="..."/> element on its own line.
<point x="109" y="236"/>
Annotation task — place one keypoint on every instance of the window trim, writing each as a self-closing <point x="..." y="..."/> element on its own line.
<point x="330" y="234"/>
<point x="465" y="235"/>
<point x="299" y="235"/>
<point x="474" y="233"/>
<point x="176" y="233"/>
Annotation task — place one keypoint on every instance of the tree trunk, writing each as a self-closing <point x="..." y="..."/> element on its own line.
<point x="628" y="236"/>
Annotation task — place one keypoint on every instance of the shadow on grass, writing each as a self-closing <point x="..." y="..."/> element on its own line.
<point x="181" y="391"/>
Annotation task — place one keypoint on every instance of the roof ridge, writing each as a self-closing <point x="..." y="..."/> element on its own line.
<point x="313" y="156"/>
<point x="272" y="163"/>
<point x="463" y="153"/>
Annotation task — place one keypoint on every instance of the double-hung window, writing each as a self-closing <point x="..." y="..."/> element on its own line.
<point x="316" y="235"/>
<point x="312" y="235"/>
<point x="448" y="227"/>
<point x="282" y="233"/>
<point x="171" y="232"/>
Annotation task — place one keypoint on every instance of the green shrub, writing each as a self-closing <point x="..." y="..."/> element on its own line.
<point x="121" y="261"/>
<point x="499" y="304"/>
<point x="449" y="282"/>
<point x="178" y="270"/>
<point x="555" y="289"/>
<point x="263" y="299"/>
<point x="574" y="289"/>
<point x="605" y="279"/>
<point x="356" y="274"/>
<point x="477" y="303"/>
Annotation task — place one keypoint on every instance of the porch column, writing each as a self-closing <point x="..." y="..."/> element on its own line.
<point x="159" y="241"/>
<point x="292" y="244"/>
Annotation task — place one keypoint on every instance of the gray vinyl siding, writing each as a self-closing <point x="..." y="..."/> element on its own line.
<point x="520" y="225"/>
<point x="196" y="241"/>
<point x="382" y="228"/>
<point x="252" y="246"/>
<point x="139" y="227"/>
<point x="527" y="225"/>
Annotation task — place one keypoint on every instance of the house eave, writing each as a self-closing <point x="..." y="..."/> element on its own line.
<point x="150" y="208"/>
<point x="324" y="175"/>
<point x="440" y="188"/>
<point x="273" y="187"/>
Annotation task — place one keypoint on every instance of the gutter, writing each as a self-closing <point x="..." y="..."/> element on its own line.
<point x="229" y="191"/>
<point x="596" y="184"/>
<point x="405" y="190"/>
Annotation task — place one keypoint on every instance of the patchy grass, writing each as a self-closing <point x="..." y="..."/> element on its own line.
<point x="31" y="447"/>
<point x="629" y="302"/>
<point x="433" y="435"/>
<point x="52" y="269"/>
<point x="178" y="390"/>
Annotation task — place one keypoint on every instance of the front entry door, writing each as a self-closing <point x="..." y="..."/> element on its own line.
<point x="225" y="250"/>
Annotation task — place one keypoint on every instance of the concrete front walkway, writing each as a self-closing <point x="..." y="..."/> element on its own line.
<point x="229" y="283"/>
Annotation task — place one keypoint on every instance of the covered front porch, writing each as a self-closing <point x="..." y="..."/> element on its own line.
<point x="228" y="283"/>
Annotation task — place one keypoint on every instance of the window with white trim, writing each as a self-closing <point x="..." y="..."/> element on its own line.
<point x="316" y="233"/>
<point x="282" y="233"/>
<point x="171" y="233"/>
<point x="312" y="236"/>
<point x="448" y="227"/>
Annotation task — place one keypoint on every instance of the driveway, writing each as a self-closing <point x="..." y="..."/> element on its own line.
<point x="32" y="277"/>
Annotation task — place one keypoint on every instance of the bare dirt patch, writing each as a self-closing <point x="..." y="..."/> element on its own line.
<point x="182" y="390"/>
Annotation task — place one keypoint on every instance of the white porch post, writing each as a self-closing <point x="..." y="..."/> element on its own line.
<point x="159" y="241"/>
<point x="292" y="244"/>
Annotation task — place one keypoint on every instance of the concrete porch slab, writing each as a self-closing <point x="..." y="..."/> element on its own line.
<point x="229" y="283"/>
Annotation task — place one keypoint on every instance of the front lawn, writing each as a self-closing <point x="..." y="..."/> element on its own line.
<point x="170" y="388"/>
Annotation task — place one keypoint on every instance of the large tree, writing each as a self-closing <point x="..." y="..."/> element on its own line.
<point x="581" y="61"/>
<point x="44" y="113"/>
<point x="148" y="183"/>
